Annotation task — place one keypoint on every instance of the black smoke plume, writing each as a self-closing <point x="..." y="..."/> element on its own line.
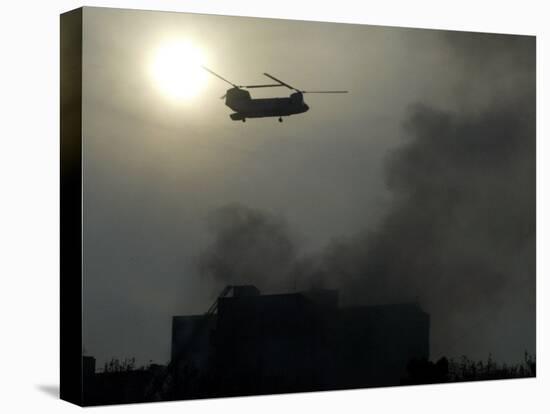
<point x="249" y="247"/>
<point x="459" y="238"/>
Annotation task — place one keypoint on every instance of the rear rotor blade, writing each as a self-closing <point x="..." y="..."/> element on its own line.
<point x="281" y="82"/>
<point x="218" y="76"/>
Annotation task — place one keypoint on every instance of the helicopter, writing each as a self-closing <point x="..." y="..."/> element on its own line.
<point x="239" y="100"/>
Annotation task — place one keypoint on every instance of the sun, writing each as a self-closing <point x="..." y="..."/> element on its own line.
<point x="176" y="69"/>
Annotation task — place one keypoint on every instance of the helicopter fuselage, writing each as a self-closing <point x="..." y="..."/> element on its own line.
<point x="245" y="106"/>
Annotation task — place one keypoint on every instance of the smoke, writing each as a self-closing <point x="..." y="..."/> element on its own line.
<point x="459" y="237"/>
<point x="249" y="247"/>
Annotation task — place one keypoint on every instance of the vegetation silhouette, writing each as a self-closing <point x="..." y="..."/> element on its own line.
<point x="448" y="370"/>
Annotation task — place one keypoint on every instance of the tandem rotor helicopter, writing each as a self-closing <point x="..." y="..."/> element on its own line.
<point x="239" y="100"/>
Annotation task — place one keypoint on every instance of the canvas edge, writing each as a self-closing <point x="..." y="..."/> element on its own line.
<point x="71" y="206"/>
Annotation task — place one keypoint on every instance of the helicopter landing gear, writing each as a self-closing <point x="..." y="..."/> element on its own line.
<point x="280" y="119"/>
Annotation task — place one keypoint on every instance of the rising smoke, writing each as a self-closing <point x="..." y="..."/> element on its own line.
<point x="460" y="238"/>
<point x="249" y="247"/>
<point x="460" y="235"/>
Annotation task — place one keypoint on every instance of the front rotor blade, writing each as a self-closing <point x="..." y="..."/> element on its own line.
<point x="281" y="82"/>
<point x="218" y="76"/>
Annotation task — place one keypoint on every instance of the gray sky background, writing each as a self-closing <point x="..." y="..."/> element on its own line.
<point x="155" y="170"/>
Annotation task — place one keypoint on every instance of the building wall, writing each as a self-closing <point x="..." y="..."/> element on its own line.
<point x="191" y="340"/>
<point x="293" y="342"/>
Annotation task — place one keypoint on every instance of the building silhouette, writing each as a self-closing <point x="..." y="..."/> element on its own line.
<point x="252" y="344"/>
<point x="249" y="343"/>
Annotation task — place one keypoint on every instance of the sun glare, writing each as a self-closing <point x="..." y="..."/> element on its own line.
<point x="177" y="70"/>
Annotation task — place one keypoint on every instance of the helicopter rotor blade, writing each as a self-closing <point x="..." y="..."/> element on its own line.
<point x="281" y="82"/>
<point x="298" y="90"/>
<point x="218" y="76"/>
<point x="271" y="85"/>
<point x="324" y="91"/>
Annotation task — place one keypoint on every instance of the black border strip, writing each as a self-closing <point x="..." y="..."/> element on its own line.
<point x="71" y="206"/>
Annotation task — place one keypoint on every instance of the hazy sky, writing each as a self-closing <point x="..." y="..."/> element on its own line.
<point x="429" y="112"/>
